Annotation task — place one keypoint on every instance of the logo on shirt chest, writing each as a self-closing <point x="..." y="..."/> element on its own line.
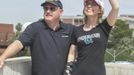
<point x="64" y="34"/>
<point x="88" y="39"/>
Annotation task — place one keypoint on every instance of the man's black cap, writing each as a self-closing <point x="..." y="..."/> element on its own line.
<point x="54" y="2"/>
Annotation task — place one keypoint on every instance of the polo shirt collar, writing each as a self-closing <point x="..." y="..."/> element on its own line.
<point x="47" y="27"/>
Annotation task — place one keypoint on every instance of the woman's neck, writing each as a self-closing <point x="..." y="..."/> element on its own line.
<point x="91" y="21"/>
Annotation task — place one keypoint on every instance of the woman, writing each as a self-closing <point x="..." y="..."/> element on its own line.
<point x="91" y="38"/>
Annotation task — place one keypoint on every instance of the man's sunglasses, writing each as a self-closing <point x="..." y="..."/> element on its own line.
<point x="51" y="8"/>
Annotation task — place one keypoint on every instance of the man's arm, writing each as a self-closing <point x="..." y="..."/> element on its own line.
<point x="11" y="50"/>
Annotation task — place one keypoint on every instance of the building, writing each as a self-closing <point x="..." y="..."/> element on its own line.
<point x="6" y="35"/>
<point x="129" y="19"/>
<point x="75" y="20"/>
<point x="128" y="16"/>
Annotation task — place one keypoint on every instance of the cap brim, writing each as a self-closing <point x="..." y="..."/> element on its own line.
<point x="43" y="4"/>
<point x="100" y="3"/>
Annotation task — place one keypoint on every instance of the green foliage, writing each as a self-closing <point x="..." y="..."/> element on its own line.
<point x="121" y="44"/>
<point x="19" y="27"/>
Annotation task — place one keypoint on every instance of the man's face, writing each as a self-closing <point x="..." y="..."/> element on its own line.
<point x="52" y="12"/>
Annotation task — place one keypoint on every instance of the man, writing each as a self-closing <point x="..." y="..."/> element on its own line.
<point x="49" y="41"/>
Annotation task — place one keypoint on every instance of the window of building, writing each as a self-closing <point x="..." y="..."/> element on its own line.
<point x="78" y="21"/>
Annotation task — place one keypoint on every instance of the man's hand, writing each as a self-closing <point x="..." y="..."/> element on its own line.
<point x="1" y="62"/>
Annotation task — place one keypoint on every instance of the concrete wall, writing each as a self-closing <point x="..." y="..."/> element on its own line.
<point x="22" y="66"/>
<point x="17" y="66"/>
<point x="119" y="69"/>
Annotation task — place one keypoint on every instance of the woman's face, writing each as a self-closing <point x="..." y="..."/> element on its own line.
<point x="91" y="8"/>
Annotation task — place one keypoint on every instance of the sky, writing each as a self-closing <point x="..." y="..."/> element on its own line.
<point x="22" y="11"/>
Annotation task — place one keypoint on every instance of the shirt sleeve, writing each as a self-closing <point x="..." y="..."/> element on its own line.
<point x="27" y="36"/>
<point x="105" y="27"/>
<point x="73" y="37"/>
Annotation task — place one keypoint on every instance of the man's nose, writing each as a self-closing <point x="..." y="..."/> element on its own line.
<point x="48" y="11"/>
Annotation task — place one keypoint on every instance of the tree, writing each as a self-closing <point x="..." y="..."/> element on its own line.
<point x="120" y="44"/>
<point x="18" y="28"/>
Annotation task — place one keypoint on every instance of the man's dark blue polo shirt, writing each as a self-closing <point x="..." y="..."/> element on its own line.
<point x="49" y="48"/>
